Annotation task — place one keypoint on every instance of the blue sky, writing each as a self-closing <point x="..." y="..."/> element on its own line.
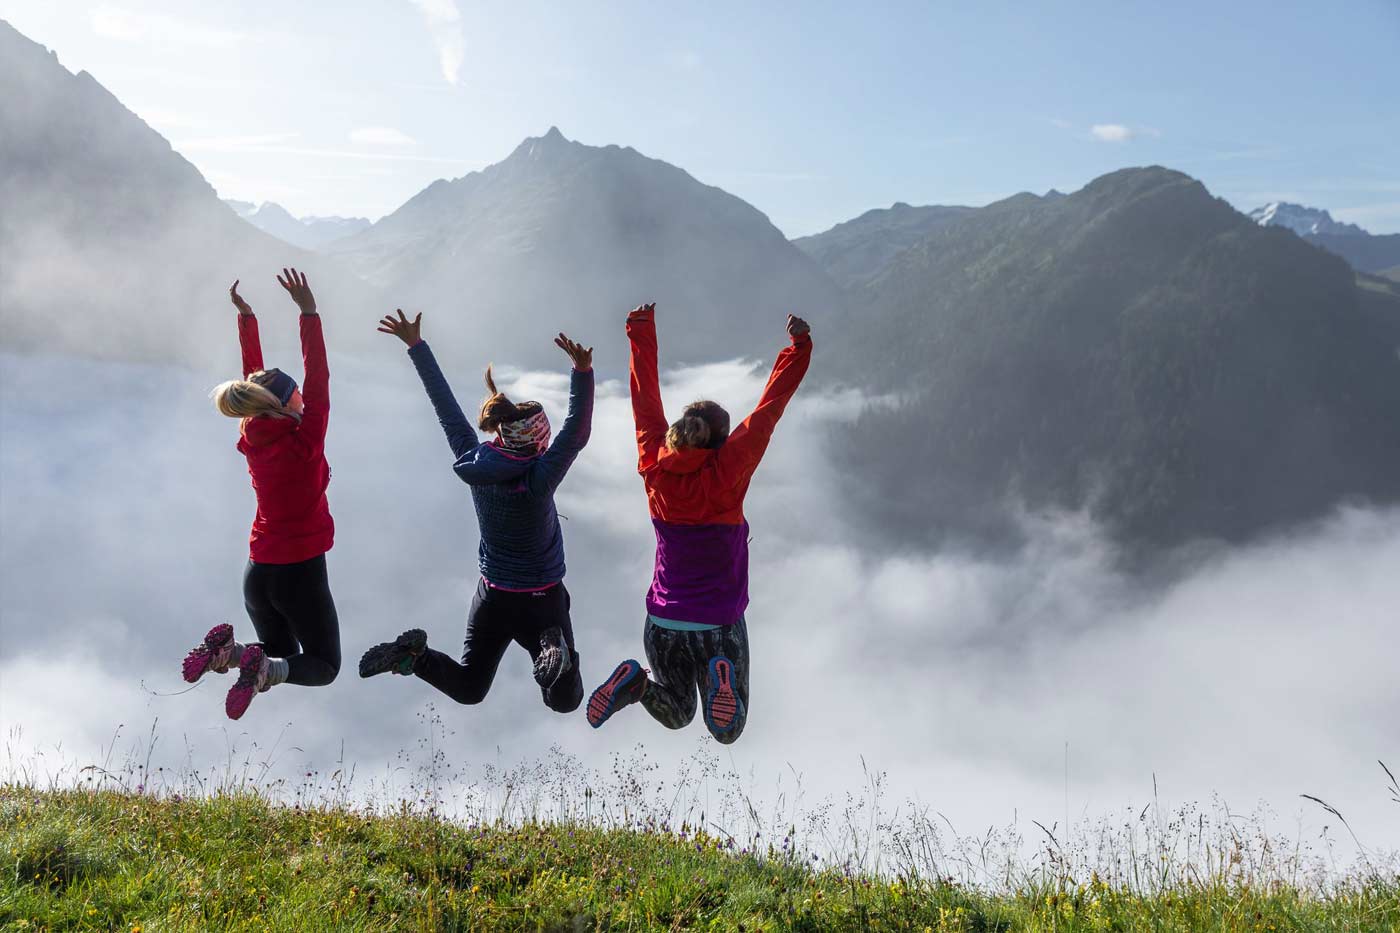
<point x="811" y="112"/>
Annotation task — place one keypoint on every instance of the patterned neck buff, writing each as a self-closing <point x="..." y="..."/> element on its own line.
<point x="528" y="434"/>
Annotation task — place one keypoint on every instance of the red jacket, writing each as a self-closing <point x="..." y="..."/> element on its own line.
<point x="287" y="458"/>
<point x="701" y="486"/>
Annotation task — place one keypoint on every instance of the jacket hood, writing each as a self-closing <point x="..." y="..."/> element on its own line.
<point x="689" y="460"/>
<point x="267" y="429"/>
<point x="487" y="464"/>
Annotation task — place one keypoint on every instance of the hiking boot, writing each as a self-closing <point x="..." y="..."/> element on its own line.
<point x="626" y="686"/>
<point x="252" y="679"/>
<point x="212" y="654"/>
<point x="723" y="708"/>
<point x="394" y="657"/>
<point x="554" y="660"/>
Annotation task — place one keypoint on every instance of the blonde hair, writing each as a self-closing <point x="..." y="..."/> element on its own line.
<point x="243" y="398"/>
<point x="498" y="410"/>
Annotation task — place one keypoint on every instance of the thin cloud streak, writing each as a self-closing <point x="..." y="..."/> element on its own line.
<point x="381" y="136"/>
<point x="268" y="145"/>
<point x="124" y="25"/>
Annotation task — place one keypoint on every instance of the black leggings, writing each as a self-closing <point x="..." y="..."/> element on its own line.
<point x="496" y="619"/>
<point x="294" y="616"/>
<point x="680" y="668"/>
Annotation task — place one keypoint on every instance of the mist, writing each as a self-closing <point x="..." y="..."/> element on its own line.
<point x="1046" y="684"/>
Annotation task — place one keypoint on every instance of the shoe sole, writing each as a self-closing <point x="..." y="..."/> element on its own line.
<point x="722" y="706"/>
<point x="553" y="663"/>
<point x="196" y="663"/>
<point x="604" y="701"/>
<point x="381" y="659"/>
<point x="240" y="695"/>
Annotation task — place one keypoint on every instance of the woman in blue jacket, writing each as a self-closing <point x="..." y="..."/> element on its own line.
<point x="521" y="595"/>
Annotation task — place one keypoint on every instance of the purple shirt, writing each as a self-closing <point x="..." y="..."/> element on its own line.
<point x="702" y="573"/>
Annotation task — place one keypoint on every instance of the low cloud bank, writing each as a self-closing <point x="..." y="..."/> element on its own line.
<point x="1040" y="686"/>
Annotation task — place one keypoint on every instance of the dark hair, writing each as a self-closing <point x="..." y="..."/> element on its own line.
<point x="703" y="424"/>
<point x="498" y="410"/>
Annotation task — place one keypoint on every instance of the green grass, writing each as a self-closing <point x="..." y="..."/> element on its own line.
<point x="107" y="860"/>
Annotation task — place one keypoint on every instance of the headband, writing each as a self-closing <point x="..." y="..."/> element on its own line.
<point x="278" y="383"/>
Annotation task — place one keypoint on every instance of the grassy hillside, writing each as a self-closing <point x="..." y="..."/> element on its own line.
<point x="99" y="860"/>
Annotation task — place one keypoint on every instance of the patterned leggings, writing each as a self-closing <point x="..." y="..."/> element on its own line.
<point x="680" y="671"/>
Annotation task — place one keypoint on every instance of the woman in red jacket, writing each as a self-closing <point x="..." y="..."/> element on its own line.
<point x="283" y="435"/>
<point x="696" y="475"/>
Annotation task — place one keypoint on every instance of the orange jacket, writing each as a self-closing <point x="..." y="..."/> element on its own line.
<point x="701" y="486"/>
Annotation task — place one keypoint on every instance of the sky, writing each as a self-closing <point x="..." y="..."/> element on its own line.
<point x="812" y="112"/>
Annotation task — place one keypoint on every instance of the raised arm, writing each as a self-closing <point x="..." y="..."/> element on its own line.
<point x="551" y="468"/>
<point x="647" y="410"/>
<point x="316" y="385"/>
<point x="741" y="453"/>
<point x="460" y="436"/>
<point x="248" y="340"/>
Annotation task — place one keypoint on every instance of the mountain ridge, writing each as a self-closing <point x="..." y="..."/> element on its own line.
<point x="598" y="229"/>
<point x="1137" y="349"/>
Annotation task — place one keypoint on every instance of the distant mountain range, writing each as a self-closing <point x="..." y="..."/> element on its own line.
<point x="560" y="233"/>
<point x="1366" y="252"/>
<point x="314" y="233"/>
<point x="1302" y="220"/>
<point x="1137" y="349"/>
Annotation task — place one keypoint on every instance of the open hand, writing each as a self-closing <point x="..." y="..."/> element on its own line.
<point x="238" y="302"/>
<point x="583" y="359"/>
<point x="410" y="332"/>
<point x="796" y="327"/>
<point x="641" y="309"/>
<point x="295" y="284"/>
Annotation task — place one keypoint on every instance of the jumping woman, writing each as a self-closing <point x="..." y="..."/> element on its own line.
<point x="521" y="595"/>
<point x="282" y="433"/>
<point x="696" y="474"/>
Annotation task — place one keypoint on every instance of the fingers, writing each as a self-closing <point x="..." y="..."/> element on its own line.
<point x="233" y="289"/>
<point x="403" y="319"/>
<point x="418" y="319"/>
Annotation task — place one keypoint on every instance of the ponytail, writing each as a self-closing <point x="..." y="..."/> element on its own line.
<point x="497" y="409"/>
<point x="702" y="424"/>
<point x="689" y="431"/>
<point x="241" y="398"/>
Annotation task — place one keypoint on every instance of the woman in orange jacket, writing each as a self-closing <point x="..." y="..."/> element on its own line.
<point x="696" y="474"/>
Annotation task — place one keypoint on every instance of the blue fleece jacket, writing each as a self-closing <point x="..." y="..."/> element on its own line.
<point x="522" y="546"/>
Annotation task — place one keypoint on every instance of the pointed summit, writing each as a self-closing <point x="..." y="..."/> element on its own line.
<point x="564" y="228"/>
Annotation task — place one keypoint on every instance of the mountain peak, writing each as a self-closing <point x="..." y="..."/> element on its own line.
<point x="552" y="145"/>
<point x="1301" y="220"/>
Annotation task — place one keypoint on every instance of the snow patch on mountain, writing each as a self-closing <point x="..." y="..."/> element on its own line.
<point x="1301" y="220"/>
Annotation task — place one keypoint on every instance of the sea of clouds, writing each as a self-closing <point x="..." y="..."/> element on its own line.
<point x="994" y="689"/>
